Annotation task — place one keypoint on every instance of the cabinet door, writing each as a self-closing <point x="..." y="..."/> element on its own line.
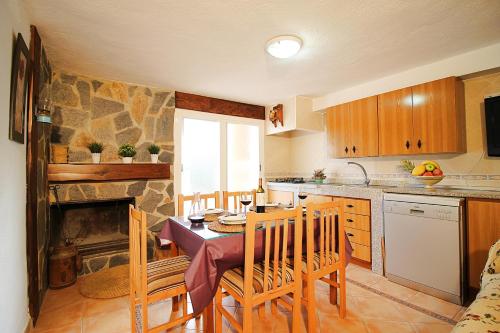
<point x="280" y="197"/>
<point x="483" y="230"/>
<point x="314" y="198"/>
<point x="337" y="130"/>
<point x="395" y="123"/>
<point x="364" y="127"/>
<point x="438" y="116"/>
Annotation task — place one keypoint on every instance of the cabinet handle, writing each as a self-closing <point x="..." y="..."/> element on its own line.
<point x="346" y="150"/>
<point x="419" y="143"/>
<point x="354" y="149"/>
<point x="350" y="235"/>
<point x="350" y="220"/>
<point x="349" y="206"/>
<point x="407" y="144"/>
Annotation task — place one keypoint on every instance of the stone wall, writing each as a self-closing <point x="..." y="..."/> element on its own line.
<point x="114" y="113"/>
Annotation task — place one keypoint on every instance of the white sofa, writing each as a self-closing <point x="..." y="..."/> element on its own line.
<point x="483" y="315"/>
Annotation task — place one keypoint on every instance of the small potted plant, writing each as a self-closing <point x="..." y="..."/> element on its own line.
<point x="154" y="150"/>
<point x="319" y="176"/>
<point x="127" y="152"/>
<point x="96" y="149"/>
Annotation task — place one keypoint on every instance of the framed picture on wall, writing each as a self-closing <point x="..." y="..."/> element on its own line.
<point x="19" y="90"/>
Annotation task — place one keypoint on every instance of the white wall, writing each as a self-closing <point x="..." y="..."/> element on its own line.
<point x="13" y="276"/>
<point x="459" y="65"/>
<point x="474" y="168"/>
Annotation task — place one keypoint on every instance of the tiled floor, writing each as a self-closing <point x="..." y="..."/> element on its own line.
<point x="66" y="311"/>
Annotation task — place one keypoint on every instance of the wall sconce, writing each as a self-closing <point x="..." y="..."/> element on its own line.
<point x="44" y="106"/>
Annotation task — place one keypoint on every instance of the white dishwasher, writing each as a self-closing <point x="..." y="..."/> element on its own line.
<point x="424" y="244"/>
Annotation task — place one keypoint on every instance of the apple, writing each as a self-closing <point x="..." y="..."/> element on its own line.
<point x="430" y="167"/>
<point x="437" y="172"/>
<point x="428" y="173"/>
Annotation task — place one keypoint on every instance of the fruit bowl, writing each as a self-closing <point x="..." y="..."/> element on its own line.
<point x="428" y="181"/>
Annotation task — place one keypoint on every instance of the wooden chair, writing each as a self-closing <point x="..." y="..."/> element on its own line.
<point x="154" y="281"/>
<point x="328" y="259"/>
<point x="181" y="199"/>
<point x="270" y="279"/>
<point x="235" y="198"/>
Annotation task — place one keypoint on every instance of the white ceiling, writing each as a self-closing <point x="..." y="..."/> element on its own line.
<point x="216" y="47"/>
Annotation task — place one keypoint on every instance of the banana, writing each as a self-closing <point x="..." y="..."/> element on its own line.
<point x="436" y="165"/>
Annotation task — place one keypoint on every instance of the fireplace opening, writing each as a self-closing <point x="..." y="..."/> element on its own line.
<point x="94" y="227"/>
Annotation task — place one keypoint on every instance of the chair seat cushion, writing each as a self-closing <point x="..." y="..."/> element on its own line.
<point x="316" y="260"/>
<point x="166" y="273"/>
<point x="233" y="278"/>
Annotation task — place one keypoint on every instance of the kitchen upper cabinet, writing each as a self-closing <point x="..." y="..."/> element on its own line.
<point x="352" y="129"/>
<point x="337" y="129"/>
<point x="439" y="116"/>
<point x="395" y="123"/>
<point x="363" y="127"/>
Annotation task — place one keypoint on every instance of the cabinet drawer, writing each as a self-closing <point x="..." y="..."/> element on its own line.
<point x="361" y="252"/>
<point x="356" y="221"/>
<point x="358" y="236"/>
<point x="357" y="206"/>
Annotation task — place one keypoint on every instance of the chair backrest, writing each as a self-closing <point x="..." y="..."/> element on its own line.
<point x="138" y="257"/>
<point x="325" y="221"/>
<point x="182" y="199"/>
<point x="234" y="198"/>
<point x="274" y="246"/>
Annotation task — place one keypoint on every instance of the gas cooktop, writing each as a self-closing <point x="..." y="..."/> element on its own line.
<point x="293" y="180"/>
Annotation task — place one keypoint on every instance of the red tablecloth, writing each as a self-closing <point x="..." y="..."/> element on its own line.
<point x="211" y="255"/>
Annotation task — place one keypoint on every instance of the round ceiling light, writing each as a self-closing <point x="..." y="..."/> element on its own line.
<point x="284" y="46"/>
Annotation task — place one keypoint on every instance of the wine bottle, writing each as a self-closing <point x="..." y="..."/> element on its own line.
<point x="261" y="199"/>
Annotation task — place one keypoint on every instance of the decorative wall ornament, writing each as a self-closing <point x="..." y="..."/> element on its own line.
<point x="19" y="90"/>
<point x="276" y="114"/>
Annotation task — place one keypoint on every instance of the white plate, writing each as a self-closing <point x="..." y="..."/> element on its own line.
<point x="234" y="219"/>
<point x="271" y="204"/>
<point x="214" y="211"/>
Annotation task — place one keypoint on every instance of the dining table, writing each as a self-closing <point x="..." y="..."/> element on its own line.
<point x="212" y="253"/>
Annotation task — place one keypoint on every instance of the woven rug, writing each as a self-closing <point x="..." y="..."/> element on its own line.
<point x="107" y="283"/>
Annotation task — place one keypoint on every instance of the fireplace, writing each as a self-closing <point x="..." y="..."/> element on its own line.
<point x="96" y="227"/>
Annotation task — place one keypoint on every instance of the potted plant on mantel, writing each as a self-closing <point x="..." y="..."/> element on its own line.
<point x="154" y="150"/>
<point x="127" y="152"/>
<point x="96" y="149"/>
<point x="319" y="176"/>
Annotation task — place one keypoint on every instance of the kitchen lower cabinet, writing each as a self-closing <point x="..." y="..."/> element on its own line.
<point x="280" y="197"/>
<point x="483" y="230"/>
<point x="357" y="224"/>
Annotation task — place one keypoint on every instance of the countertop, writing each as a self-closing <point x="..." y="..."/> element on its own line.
<point x="436" y="191"/>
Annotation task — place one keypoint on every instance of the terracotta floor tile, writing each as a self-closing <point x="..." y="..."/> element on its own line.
<point x="432" y="328"/>
<point x="72" y="328"/>
<point x="354" y="290"/>
<point x="379" y="326"/>
<point x="394" y="289"/>
<point x="56" y="299"/>
<point x="111" y="322"/>
<point x="459" y="314"/>
<point x="364" y="276"/>
<point x="435" y="304"/>
<point x="68" y="315"/>
<point x="337" y="325"/>
<point x="413" y="316"/>
<point x="97" y="306"/>
<point x="377" y="307"/>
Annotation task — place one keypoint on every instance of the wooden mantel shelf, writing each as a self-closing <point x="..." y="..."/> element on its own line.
<point x="107" y="172"/>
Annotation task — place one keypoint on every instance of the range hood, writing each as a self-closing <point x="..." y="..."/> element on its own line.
<point x="298" y="115"/>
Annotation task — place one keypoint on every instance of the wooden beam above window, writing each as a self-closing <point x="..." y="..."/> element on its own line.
<point x="219" y="106"/>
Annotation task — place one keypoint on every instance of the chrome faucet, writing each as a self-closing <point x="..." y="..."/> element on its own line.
<point x="367" y="180"/>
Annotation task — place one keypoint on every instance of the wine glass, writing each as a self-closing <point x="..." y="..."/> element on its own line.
<point x="245" y="199"/>
<point x="302" y="196"/>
